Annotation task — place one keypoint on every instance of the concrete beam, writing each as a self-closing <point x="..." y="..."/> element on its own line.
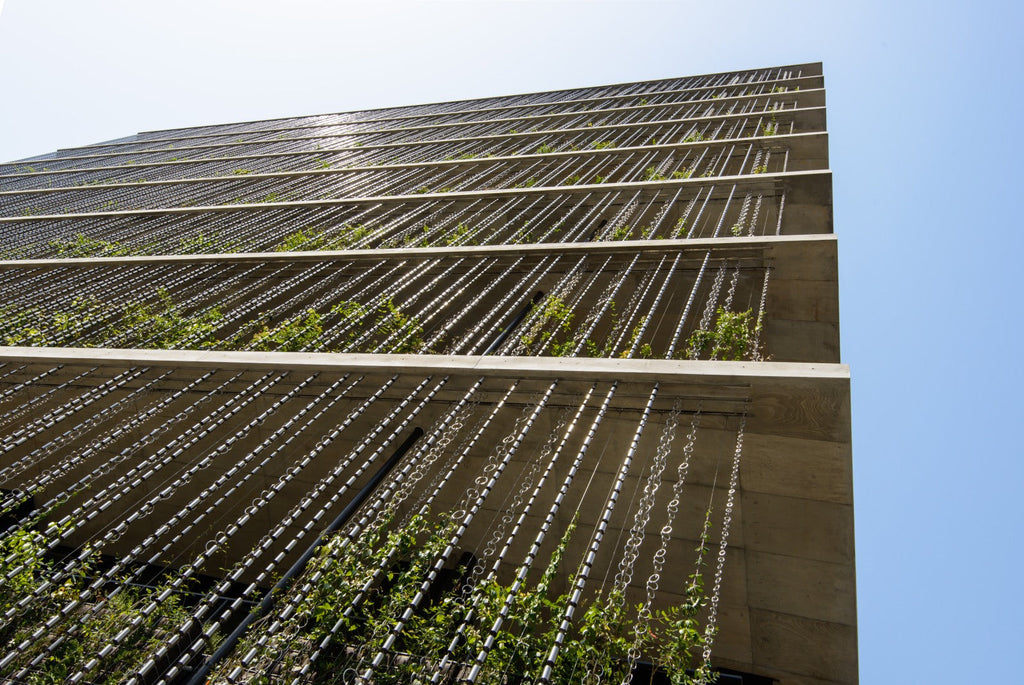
<point x="797" y="400"/>
<point x="647" y="370"/>
<point x="775" y="247"/>
<point x="813" y="187"/>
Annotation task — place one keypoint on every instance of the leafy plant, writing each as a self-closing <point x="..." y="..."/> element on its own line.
<point x="632" y="341"/>
<point x="603" y="145"/>
<point x="458" y="236"/>
<point x="681" y="639"/>
<point x="545" y="149"/>
<point x="393" y="330"/>
<point x="112" y="623"/>
<point x="35" y="327"/>
<point x="731" y="338"/>
<point x="161" y="325"/>
<point x="311" y="239"/>
<point x="83" y="246"/>
<point x="202" y="243"/>
<point x="125" y="636"/>
<point x="359" y="587"/>
<point x="651" y="174"/>
<point x="600" y="643"/>
<point x="622" y="232"/>
<point x="554" y="313"/>
<point x="291" y="335"/>
<point x="22" y="565"/>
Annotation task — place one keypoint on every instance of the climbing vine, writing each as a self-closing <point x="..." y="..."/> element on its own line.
<point x="363" y="585"/>
<point x="160" y="323"/>
<point x="340" y="238"/>
<point x="732" y="337"/>
<point x="102" y="619"/>
<point x="551" y="326"/>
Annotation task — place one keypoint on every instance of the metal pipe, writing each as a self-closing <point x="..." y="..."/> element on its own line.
<point x="515" y="323"/>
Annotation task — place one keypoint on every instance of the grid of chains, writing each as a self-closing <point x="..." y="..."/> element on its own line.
<point x="171" y="517"/>
<point x="657" y="210"/>
<point x="617" y="305"/>
<point x="599" y="106"/>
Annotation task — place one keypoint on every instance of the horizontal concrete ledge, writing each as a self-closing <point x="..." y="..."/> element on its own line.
<point x="647" y="370"/>
<point x="765" y="182"/>
<point x="800" y="146"/>
<point x="763" y="243"/>
<point x="790" y="400"/>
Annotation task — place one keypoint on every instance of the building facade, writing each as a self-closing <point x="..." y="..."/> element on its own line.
<point x="539" y="388"/>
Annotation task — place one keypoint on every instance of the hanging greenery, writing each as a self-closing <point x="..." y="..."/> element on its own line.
<point x="643" y="351"/>
<point x="161" y="324"/>
<point x="680" y="637"/>
<point x="83" y="246"/>
<point x="91" y="626"/>
<point x="731" y="338"/>
<point x="339" y="238"/>
<point x="363" y="586"/>
<point x="554" y="314"/>
<point x="291" y="335"/>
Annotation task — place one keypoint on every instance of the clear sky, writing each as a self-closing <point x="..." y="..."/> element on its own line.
<point x="925" y="101"/>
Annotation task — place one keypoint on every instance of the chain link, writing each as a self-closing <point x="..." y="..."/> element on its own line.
<point x="709" y="308"/>
<point x="658" y="561"/>
<point x="730" y="502"/>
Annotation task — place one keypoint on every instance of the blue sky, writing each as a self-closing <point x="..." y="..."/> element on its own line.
<point x="924" y="106"/>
